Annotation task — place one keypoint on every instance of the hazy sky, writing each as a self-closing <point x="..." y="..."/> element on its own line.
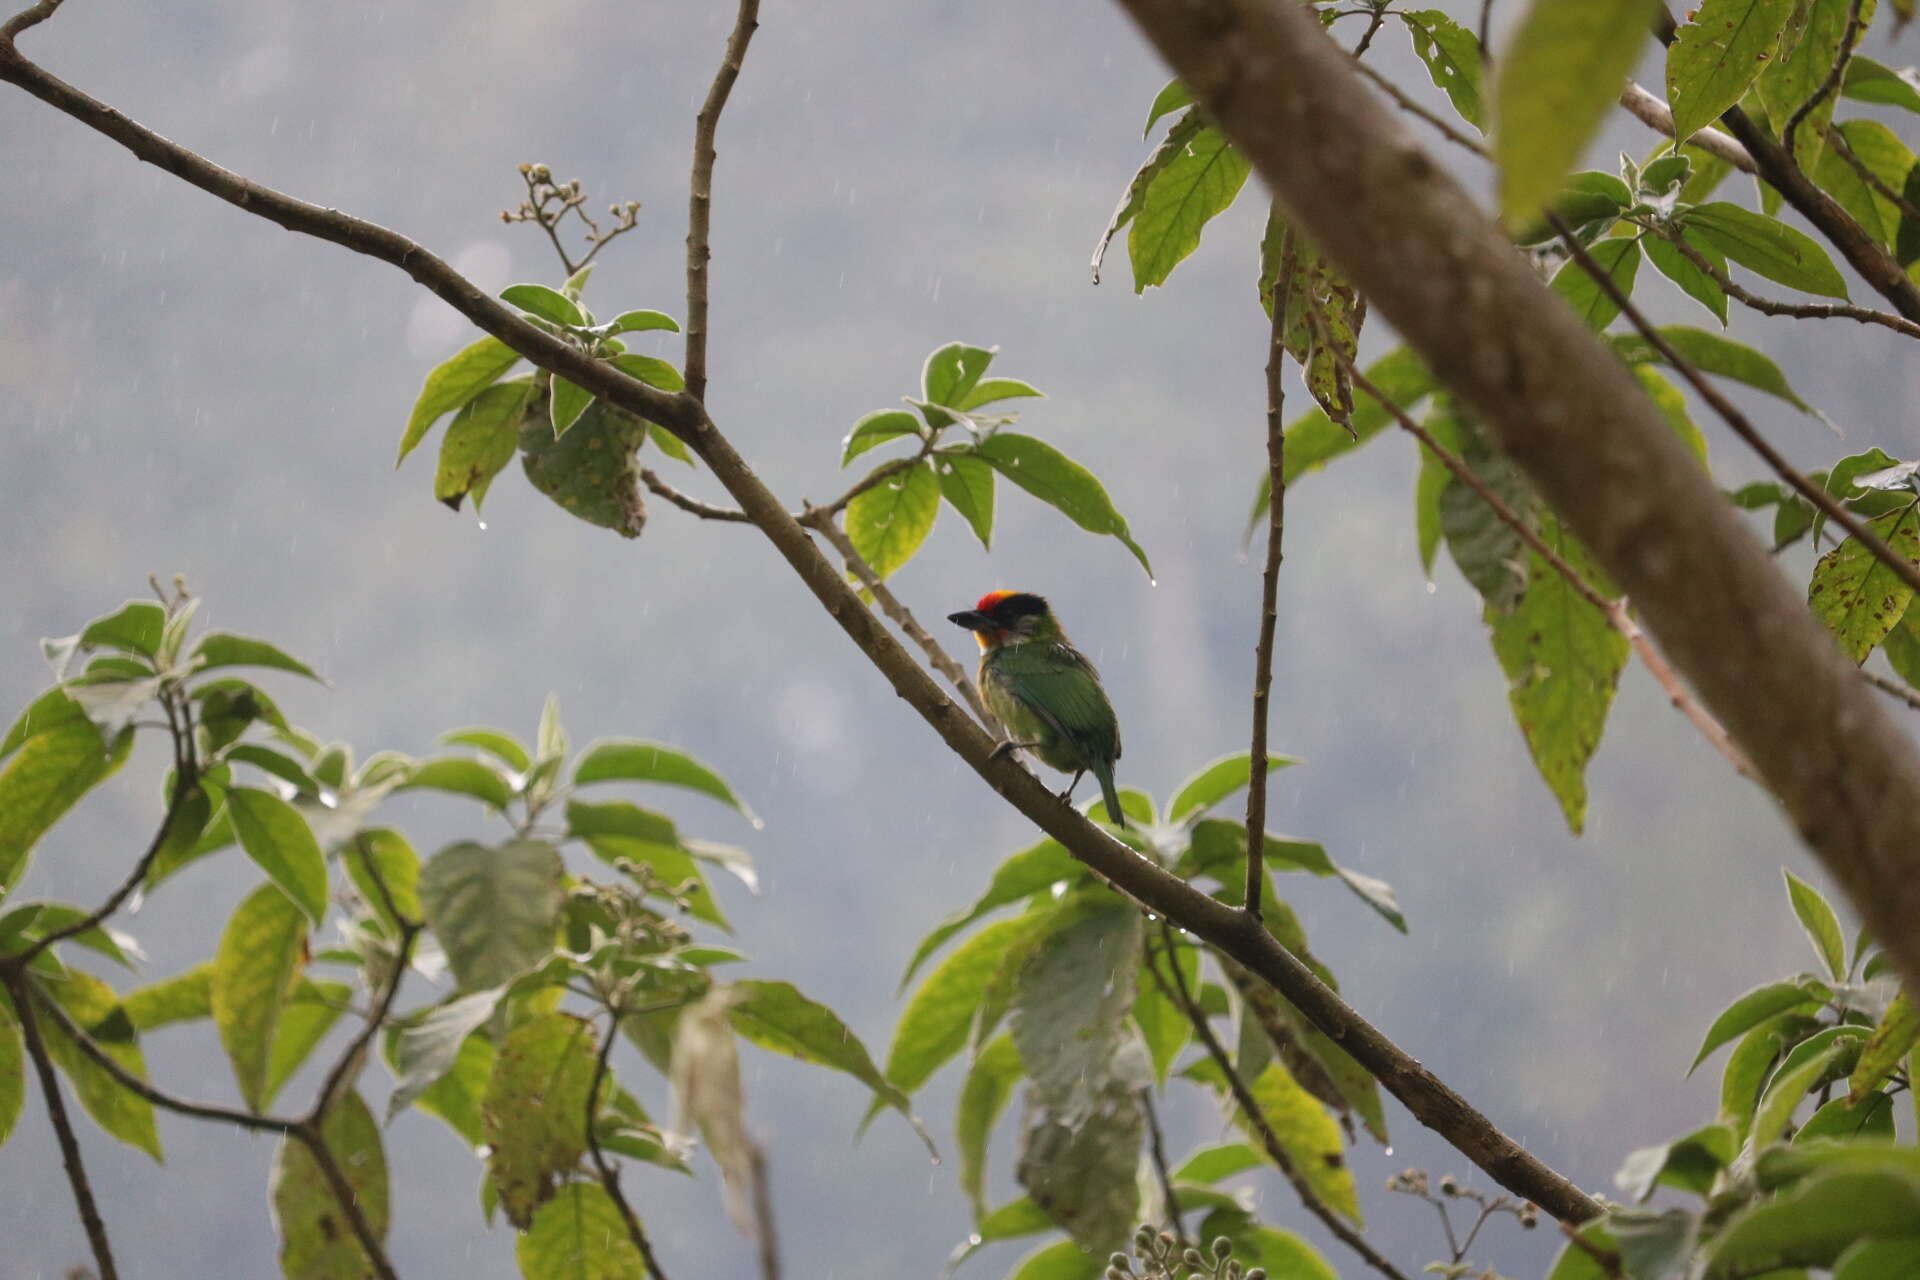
<point x="188" y="389"/>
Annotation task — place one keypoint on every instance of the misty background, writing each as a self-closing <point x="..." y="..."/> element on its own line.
<point x="187" y="389"/>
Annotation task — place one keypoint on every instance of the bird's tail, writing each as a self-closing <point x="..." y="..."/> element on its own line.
<point x="1108" y="794"/>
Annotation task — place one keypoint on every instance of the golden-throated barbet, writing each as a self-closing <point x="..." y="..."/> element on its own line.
<point x="1044" y="690"/>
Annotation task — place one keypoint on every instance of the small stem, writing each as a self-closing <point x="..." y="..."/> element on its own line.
<point x="1892" y="688"/>
<point x="90" y="1219"/>
<point x="1412" y="108"/>
<point x="689" y="504"/>
<point x="884" y="472"/>
<point x="700" y="194"/>
<point x="1175" y="989"/>
<point x="609" y="1172"/>
<point x="1373" y="29"/>
<point x="1768" y="306"/>
<point x="1158" y="1145"/>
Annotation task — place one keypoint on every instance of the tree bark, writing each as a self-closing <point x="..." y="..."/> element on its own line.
<point x="1435" y="265"/>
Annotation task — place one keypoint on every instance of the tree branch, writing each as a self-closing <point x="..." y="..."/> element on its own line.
<point x="1649" y="110"/>
<point x="1175" y="989"/>
<point x="1226" y="928"/>
<point x="23" y="1003"/>
<point x="689" y="504"/>
<point x="354" y="1055"/>
<point x="1577" y="422"/>
<point x="700" y="194"/>
<point x="1278" y="302"/>
<point x="1407" y="104"/>
<point x="1157" y="1145"/>
<point x="1892" y="688"/>
<point x="1768" y="306"/>
<point x="609" y="1173"/>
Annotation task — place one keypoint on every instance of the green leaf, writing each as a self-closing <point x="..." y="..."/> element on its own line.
<point x="279" y="841"/>
<point x="952" y="371"/>
<point x="1282" y="1253"/>
<point x="481" y="440"/>
<point x="1062" y="1261"/>
<point x="876" y="429"/>
<point x="630" y="760"/>
<point x="671" y="862"/>
<point x="454" y="383"/>
<point x="640" y="322"/>
<point x="1198" y="179"/>
<point x="983" y="1096"/>
<point x="777" y="1017"/>
<point x="1059" y="481"/>
<point x="1672" y="403"/>
<point x="1172" y="97"/>
<point x="386" y="853"/>
<point x="566" y="401"/>
<point x="1859" y="598"/>
<point x="1620" y="260"/>
<point x="1487" y="550"/>
<point x="1821" y="924"/>
<point x="1789" y="81"/>
<point x="310" y="1013"/>
<point x="1453" y="58"/>
<point x="456" y="1097"/>
<point x="1563" y="660"/>
<point x="261" y="952"/>
<point x="32" y="921"/>
<point x="426" y="1050"/>
<point x="993" y="390"/>
<point x="535" y="1109"/>
<point x="592" y="472"/>
<point x="1870" y="81"/>
<point x="1842" y="1118"/>
<point x="967" y="485"/>
<point x="548" y="304"/>
<point x="1765" y="246"/>
<point x="1712" y="353"/>
<point x="935" y="1023"/>
<point x="185" y="997"/>
<point x="670" y="444"/>
<point x="1717" y="54"/>
<point x="495" y="742"/>
<point x="1813" y="1223"/>
<point x="1306" y="1132"/>
<point x="1880" y="1259"/>
<point x="578" y="1235"/>
<point x="1883" y="155"/>
<point x="135" y="627"/>
<point x="1163" y="1023"/>
<point x="1758" y="1006"/>
<point x="1314" y="439"/>
<point x="91" y="1004"/>
<point x="888" y="522"/>
<point x="1689" y="1163"/>
<point x="461" y="776"/>
<point x="315" y="1243"/>
<point x="1216" y="781"/>
<point x="1083" y="1127"/>
<point x="620" y="818"/>
<point x="13" y="1072"/>
<point x="49" y="772"/>
<point x="1033" y="870"/>
<point x="1898" y="1032"/>
<point x="494" y="910"/>
<point x="1801" y="1072"/>
<point x="1695" y="283"/>
<point x="1557" y="79"/>
<point x="655" y="373"/>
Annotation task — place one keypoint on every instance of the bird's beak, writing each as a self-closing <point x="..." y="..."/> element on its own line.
<point x="972" y="620"/>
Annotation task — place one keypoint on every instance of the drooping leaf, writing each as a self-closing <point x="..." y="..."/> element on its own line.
<point x="1765" y="246"/>
<point x="315" y="1240"/>
<point x="494" y="910"/>
<point x="281" y="844"/>
<point x="1324" y="316"/>
<point x="310" y="1012"/>
<point x="1062" y="483"/>
<point x="983" y="1096"/>
<point x="1859" y="598"/>
<point x="260" y="955"/>
<point x="1198" y="179"/>
<point x="426" y="1050"/>
<point x="888" y="522"/>
<point x="93" y="1007"/>
<point x="1670" y="262"/>
<point x="1030" y="871"/>
<point x="1563" y="661"/>
<point x="1716" y="54"/>
<point x="535" y="1110"/>
<point x="967" y="485"/>
<point x="1558" y="77"/>
<point x="1880" y="152"/>
<point x="936" y="1021"/>
<point x="1713" y="353"/>
<point x="1306" y="1132"/>
<point x="1487" y="550"/>
<point x="481" y="441"/>
<point x="46" y="775"/>
<point x="593" y="471"/>
<point x="454" y="383"/>
<point x="386" y="871"/>
<point x="1453" y="57"/>
<point x="1314" y="439"/>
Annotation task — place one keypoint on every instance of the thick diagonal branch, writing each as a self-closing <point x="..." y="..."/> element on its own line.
<point x="1577" y="422"/>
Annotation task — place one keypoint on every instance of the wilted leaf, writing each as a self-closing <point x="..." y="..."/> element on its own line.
<point x="535" y="1111"/>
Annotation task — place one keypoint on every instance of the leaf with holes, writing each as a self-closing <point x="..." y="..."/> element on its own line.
<point x="1453" y="58"/>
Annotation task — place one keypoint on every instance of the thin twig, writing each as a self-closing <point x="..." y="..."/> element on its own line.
<point x="1768" y="306"/>
<point x="1893" y="688"/>
<point x="1413" y="108"/>
<point x="353" y="1056"/>
<point x="1373" y="29"/>
<point x="886" y="471"/>
<point x="1615" y="611"/>
<point x="1157" y="1144"/>
<point x="1651" y="111"/>
<point x="1278" y="301"/>
<point x="609" y="1172"/>
<point x="1484" y="32"/>
<point x="700" y="194"/>
<point x="689" y="504"/>
<point x="1829" y="86"/>
<point x="31" y="16"/>
<point x="1175" y="989"/>
<point x="819" y="520"/>
<point x="1742" y="426"/>
<point x="96" y="1229"/>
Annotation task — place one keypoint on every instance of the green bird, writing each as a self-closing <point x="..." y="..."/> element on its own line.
<point x="1044" y="690"/>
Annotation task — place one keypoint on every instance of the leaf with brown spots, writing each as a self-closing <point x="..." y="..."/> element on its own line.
<point x="1857" y="596"/>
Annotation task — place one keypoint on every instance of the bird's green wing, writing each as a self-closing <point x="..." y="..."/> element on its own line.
<point x="1061" y="687"/>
